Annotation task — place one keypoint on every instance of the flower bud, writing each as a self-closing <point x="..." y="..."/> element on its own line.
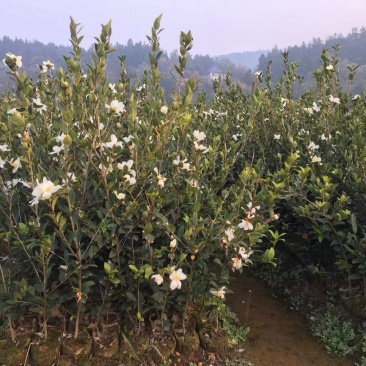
<point x="173" y="243"/>
<point x="67" y="140"/>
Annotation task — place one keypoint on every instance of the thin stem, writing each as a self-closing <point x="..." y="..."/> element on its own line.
<point x="162" y="310"/>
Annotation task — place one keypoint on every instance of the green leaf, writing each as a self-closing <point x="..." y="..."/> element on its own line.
<point x="115" y="281"/>
<point x="133" y="268"/>
<point x="270" y="254"/>
<point x="148" y="271"/>
<point x="107" y="268"/>
<point x="24" y="229"/>
<point x="217" y="261"/>
<point x="148" y="229"/>
<point x="131" y="296"/>
<point x="178" y="70"/>
<point x="196" y="207"/>
<point x="157" y="22"/>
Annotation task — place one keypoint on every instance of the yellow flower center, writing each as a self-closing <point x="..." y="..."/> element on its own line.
<point x="47" y="190"/>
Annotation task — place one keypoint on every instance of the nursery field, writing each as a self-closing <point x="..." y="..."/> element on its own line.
<point x="125" y="213"/>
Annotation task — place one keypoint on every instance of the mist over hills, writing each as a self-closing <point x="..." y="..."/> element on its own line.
<point x="241" y="65"/>
<point x="249" y="59"/>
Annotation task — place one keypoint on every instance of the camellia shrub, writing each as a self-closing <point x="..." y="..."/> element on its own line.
<point x="313" y="153"/>
<point x="115" y="203"/>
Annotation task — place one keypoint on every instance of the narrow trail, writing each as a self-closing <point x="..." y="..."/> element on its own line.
<point x="278" y="336"/>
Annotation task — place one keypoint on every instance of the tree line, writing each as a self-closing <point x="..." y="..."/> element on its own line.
<point x="351" y="54"/>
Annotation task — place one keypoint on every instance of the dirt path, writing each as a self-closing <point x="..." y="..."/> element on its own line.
<point x="278" y="336"/>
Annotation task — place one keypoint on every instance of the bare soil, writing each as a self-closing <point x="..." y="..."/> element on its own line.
<point x="278" y="336"/>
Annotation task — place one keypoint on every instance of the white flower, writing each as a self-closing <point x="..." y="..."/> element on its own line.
<point x="84" y="76"/>
<point x="127" y="164"/>
<point x="245" y="254"/>
<point x="173" y="243"/>
<point x="258" y="74"/>
<point x="164" y="109"/>
<point x="277" y="136"/>
<point x="237" y="263"/>
<point x="43" y="191"/>
<point x="312" y="146"/>
<point x="177" y="160"/>
<point x="2" y="163"/>
<point x="324" y="138"/>
<point x="120" y="196"/>
<point x="161" y="179"/>
<point x="39" y="106"/>
<point x="284" y="102"/>
<point x="334" y="100"/>
<point x="330" y="67"/>
<point x="186" y="166"/>
<point x="17" y="59"/>
<point x="357" y="96"/>
<point x="71" y="178"/>
<point x="176" y="277"/>
<point x="116" y="107"/>
<point x="252" y="210"/>
<point x="128" y="138"/>
<point x="201" y="147"/>
<point x="315" y="107"/>
<point x="14" y="182"/>
<point x="230" y="233"/>
<point x="309" y="110"/>
<point x="57" y="149"/>
<point x="60" y="138"/>
<point x="220" y="293"/>
<point x="12" y="111"/>
<point x="112" y="87"/>
<point x="4" y="148"/>
<point x="199" y="136"/>
<point x="16" y="164"/>
<point x="158" y="279"/>
<point x="49" y="65"/>
<point x="109" y="169"/>
<point x="131" y="177"/>
<point x="315" y="159"/>
<point x="246" y="225"/>
<point x="113" y="143"/>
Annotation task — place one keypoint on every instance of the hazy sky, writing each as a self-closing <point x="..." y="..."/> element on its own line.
<point x="218" y="26"/>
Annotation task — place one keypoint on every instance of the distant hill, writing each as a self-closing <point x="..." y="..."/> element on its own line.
<point x="308" y="56"/>
<point x="240" y="64"/>
<point x="137" y="61"/>
<point x="249" y="59"/>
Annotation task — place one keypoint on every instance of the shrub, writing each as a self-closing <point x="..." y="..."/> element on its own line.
<point x="116" y="202"/>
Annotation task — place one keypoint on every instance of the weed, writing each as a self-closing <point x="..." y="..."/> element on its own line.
<point x="230" y="324"/>
<point x="335" y="333"/>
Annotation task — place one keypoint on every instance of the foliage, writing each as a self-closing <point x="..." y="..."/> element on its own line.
<point x="116" y="203"/>
<point x="307" y="58"/>
<point x="236" y="333"/>
<point x="332" y="331"/>
<point x="363" y="347"/>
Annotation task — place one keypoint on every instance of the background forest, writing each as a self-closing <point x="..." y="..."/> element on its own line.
<point x="241" y="65"/>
